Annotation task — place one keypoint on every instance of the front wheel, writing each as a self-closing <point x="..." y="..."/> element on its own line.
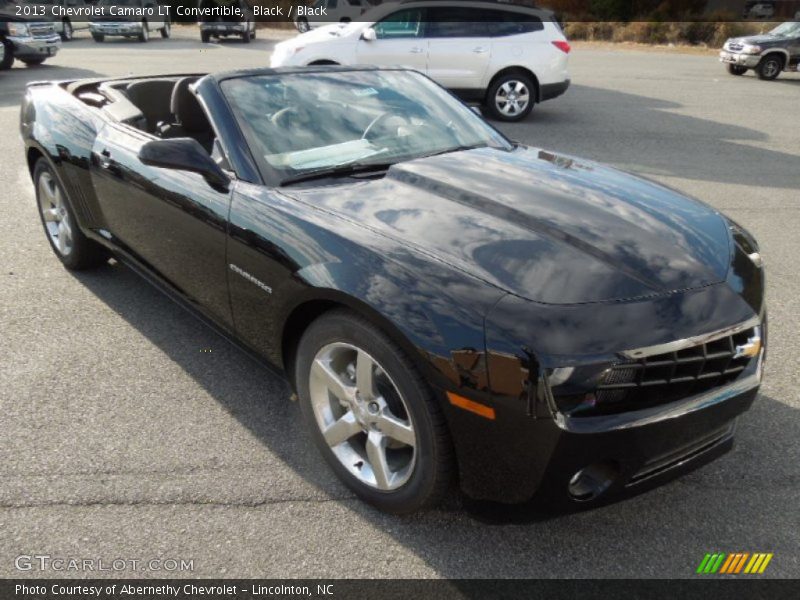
<point x="371" y="414"/>
<point x="145" y="33"/>
<point x="769" y="67"/>
<point x="98" y="37"/>
<point x="205" y="37"/>
<point x="166" y="30"/>
<point x="737" y="69"/>
<point x="247" y="35"/>
<point x="511" y="97"/>
<point x="33" y="62"/>
<point x="73" y="249"/>
<point x="6" y="55"/>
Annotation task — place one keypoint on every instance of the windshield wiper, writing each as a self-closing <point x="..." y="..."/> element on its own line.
<point x="457" y="149"/>
<point x="353" y="168"/>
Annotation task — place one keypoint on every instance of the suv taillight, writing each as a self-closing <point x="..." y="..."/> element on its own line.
<point x="563" y="46"/>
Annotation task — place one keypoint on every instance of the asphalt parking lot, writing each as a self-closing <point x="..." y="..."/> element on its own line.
<point x="131" y="431"/>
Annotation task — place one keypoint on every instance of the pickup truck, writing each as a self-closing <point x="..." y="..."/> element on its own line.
<point x="30" y="39"/>
<point x="767" y="54"/>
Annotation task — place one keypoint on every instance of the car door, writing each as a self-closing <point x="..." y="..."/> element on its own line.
<point x="459" y="48"/>
<point x="399" y="41"/>
<point x="172" y="222"/>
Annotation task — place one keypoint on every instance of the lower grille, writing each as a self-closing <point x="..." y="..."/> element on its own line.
<point x="662" y="378"/>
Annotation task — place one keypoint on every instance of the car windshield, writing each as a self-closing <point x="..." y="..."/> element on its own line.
<point x="304" y="123"/>
<point x="788" y="29"/>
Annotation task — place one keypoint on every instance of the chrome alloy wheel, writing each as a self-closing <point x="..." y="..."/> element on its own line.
<point x="54" y="213"/>
<point x="512" y="97"/>
<point x="362" y="416"/>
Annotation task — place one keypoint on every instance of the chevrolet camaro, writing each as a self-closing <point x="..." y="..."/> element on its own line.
<point x="448" y="305"/>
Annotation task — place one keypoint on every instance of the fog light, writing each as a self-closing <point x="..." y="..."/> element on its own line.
<point x="591" y="481"/>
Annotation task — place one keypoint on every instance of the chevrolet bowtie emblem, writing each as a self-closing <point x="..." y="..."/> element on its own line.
<point x="750" y="349"/>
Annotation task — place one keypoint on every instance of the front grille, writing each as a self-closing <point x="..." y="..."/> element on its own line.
<point x="42" y="30"/>
<point x="658" y="379"/>
<point x="735" y="47"/>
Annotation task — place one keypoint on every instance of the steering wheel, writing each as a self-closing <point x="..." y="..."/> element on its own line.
<point x="282" y="114"/>
<point x="379" y="119"/>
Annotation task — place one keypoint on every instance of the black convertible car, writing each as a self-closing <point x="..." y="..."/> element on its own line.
<point x="445" y="302"/>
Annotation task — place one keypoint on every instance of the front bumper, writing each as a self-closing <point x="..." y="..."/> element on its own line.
<point x="743" y="60"/>
<point x="112" y="28"/>
<point x="35" y="47"/>
<point x="223" y="28"/>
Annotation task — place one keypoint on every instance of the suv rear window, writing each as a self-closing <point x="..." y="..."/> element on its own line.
<point x="502" y="23"/>
<point x="453" y="21"/>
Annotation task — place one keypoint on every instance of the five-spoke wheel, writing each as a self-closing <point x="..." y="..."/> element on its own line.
<point x="511" y="97"/>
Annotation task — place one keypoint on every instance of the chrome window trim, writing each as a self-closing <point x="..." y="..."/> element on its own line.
<point x="691" y="341"/>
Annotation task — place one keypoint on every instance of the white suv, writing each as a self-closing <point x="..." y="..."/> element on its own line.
<point x="504" y="56"/>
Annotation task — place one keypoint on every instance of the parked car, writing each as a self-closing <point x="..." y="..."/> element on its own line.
<point x="325" y="12"/>
<point x="443" y="300"/>
<point x="28" y="39"/>
<point x="133" y="26"/>
<point x="503" y="56"/>
<point x="65" y="26"/>
<point x="768" y="54"/>
<point x="224" y="26"/>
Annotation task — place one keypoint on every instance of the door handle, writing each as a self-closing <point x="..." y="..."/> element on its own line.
<point x="416" y="50"/>
<point x="480" y="50"/>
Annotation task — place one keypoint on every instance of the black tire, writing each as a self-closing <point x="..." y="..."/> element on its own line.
<point x="255" y="30"/>
<point x="144" y="36"/>
<point x="433" y="467"/>
<point x="205" y="37"/>
<point x="67" y="32"/>
<point x="98" y="37"/>
<point x="247" y="35"/>
<point x="33" y="62"/>
<point x="770" y="67"/>
<point x="737" y="69"/>
<point x="302" y="25"/>
<point x="166" y="30"/>
<point x="84" y="253"/>
<point x="497" y="110"/>
<point x="8" y="55"/>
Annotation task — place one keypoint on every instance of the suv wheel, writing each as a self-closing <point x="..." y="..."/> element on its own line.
<point x="98" y="37"/>
<point x="205" y="37"/>
<point x="6" y="55"/>
<point x="247" y="35"/>
<point x="737" y="69"/>
<point x="302" y="25"/>
<point x="770" y="67"/>
<point x="165" y="31"/>
<point x="511" y="97"/>
<point x="145" y="34"/>
<point x="371" y="415"/>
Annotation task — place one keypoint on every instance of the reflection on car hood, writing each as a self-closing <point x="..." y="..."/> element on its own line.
<point x="759" y="39"/>
<point x="544" y="227"/>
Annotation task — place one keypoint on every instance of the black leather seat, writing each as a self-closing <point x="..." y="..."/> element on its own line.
<point x="189" y="118"/>
<point x="153" y="97"/>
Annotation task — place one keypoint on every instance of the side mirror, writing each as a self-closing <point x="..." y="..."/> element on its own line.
<point x="184" y="154"/>
<point x="369" y="35"/>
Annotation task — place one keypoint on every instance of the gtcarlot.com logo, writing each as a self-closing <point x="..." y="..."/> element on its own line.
<point x="735" y="563"/>
<point x="45" y="562"/>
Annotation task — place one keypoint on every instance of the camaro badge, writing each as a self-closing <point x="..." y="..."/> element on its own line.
<point x="750" y="349"/>
<point x="250" y="278"/>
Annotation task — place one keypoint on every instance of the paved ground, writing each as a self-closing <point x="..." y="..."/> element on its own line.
<point x="121" y="439"/>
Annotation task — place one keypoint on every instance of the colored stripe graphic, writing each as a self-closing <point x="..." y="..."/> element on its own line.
<point x="733" y="563"/>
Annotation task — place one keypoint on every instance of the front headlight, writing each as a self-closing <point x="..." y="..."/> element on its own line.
<point x="748" y="49"/>
<point x="19" y="29"/>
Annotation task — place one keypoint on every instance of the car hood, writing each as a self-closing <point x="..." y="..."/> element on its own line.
<point x="759" y="39"/>
<point x="542" y="226"/>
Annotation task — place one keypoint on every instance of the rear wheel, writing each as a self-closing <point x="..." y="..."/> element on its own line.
<point x="372" y="416"/>
<point x="737" y="69"/>
<point x="98" y="37"/>
<point x="145" y="33"/>
<point x="166" y="30"/>
<point x="247" y="35"/>
<point x="511" y="97"/>
<point x="6" y="55"/>
<point x="770" y="67"/>
<point x="74" y="249"/>
<point x="205" y="37"/>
